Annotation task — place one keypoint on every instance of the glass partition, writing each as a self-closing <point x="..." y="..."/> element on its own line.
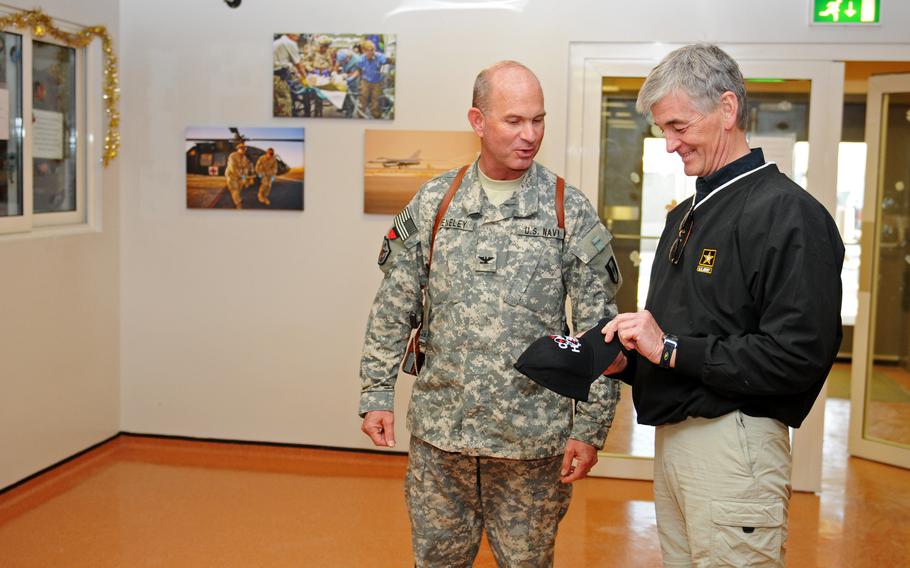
<point x="887" y="393"/>
<point x="53" y="127"/>
<point x="11" y="197"/>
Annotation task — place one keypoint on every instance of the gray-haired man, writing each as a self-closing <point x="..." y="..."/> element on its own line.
<point x="489" y="447"/>
<point x="741" y="325"/>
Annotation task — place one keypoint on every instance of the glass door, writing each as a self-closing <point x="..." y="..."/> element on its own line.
<point x="624" y="157"/>
<point x="880" y="397"/>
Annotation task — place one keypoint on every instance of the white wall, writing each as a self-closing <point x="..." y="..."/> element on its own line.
<point x="249" y="325"/>
<point x="59" y="322"/>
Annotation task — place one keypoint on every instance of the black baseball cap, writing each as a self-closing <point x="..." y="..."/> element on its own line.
<point x="568" y="365"/>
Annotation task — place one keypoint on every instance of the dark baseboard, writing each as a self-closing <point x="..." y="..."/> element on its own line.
<point x="53" y="466"/>
<point x="259" y="443"/>
<point x="193" y="439"/>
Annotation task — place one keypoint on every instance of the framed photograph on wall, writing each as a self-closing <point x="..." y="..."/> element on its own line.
<point x="244" y="168"/>
<point x="397" y="162"/>
<point x="333" y="75"/>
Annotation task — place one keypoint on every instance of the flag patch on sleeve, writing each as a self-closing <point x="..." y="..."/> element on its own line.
<point x="404" y="224"/>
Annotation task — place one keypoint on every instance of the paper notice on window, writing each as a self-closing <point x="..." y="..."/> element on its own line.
<point x="4" y="114"/>
<point x="47" y="135"/>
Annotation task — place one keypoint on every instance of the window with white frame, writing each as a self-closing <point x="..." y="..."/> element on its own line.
<point x="42" y="133"/>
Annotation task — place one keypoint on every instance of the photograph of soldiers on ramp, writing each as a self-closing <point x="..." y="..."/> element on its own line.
<point x="334" y="75"/>
<point x="249" y="168"/>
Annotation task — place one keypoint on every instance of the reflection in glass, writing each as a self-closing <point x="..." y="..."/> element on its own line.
<point x="887" y="413"/>
<point x="10" y="124"/>
<point x="54" y="127"/>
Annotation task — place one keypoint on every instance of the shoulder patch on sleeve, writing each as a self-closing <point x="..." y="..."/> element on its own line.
<point x="385" y="251"/>
<point x="392" y="246"/>
<point x="593" y="243"/>
<point x="613" y="270"/>
<point x="405" y="225"/>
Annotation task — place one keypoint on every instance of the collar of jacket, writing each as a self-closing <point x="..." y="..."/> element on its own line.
<point x="526" y="196"/>
<point x="747" y="163"/>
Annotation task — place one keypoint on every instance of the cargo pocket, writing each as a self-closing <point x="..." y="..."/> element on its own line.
<point x="536" y="280"/>
<point x="525" y="265"/>
<point x="549" y="502"/>
<point x="746" y="533"/>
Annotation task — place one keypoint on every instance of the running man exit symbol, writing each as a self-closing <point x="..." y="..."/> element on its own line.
<point x="845" y="11"/>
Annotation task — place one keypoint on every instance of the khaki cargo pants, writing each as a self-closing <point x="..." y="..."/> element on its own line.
<point x="722" y="491"/>
<point x="452" y="497"/>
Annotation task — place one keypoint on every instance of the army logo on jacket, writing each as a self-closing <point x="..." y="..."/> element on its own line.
<point x="706" y="261"/>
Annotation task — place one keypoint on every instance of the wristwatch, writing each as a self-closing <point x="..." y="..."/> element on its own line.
<point x="670" y="343"/>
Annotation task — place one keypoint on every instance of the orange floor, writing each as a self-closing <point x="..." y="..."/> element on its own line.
<point x="137" y="502"/>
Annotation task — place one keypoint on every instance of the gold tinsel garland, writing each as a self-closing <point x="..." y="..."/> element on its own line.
<point x="42" y="25"/>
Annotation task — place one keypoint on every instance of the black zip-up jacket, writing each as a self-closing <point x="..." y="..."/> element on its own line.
<point x="755" y="301"/>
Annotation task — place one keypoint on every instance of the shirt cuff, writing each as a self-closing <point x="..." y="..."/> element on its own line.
<point x="376" y="400"/>
<point x="690" y="355"/>
<point x="589" y="431"/>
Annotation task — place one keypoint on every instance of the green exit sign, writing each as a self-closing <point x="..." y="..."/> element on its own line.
<point x="845" y="11"/>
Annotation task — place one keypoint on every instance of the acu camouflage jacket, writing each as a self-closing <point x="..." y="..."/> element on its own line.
<point x="499" y="280"/>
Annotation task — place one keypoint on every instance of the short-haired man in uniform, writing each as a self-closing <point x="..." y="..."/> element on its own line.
<point x="741" y="326"/>
<point x="490" y="448"/>
<point x="320" y="62"/>
<point x="266" y="168"/>
<point x="289" y="74"/>
<point x="236" y="172"/>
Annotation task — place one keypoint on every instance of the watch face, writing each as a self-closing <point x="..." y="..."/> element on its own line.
<point x="670" y="342"/>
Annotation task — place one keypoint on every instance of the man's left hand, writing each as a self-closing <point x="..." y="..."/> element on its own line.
<point x="584" y="457"/>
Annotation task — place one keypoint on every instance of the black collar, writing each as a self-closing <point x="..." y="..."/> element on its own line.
<point x="707" y="184"/>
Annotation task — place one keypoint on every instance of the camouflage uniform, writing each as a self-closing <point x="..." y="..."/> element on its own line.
<point x="285" y="58"/>
<point x="319" y="63"/>
<point x="267" y="168"/>
<point x="281" y="99"/>
<point x="236" y="172"/>
<point x="499" y="280"/>
<point x="451" y="497"/>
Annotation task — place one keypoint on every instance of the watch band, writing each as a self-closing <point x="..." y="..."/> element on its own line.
<point x="670" y="343"/>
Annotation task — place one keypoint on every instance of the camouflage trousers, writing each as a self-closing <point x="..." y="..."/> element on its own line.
<point x="452" y="497"/>
<point x="282" y="104"/>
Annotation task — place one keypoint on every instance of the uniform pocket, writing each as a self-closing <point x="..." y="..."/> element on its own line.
<point x="525" y="265"/>
<point x="549" y="501"/>
<point x="746" y="533"/>
<point x="537" y="277"/>
<point x="748" y="454"/>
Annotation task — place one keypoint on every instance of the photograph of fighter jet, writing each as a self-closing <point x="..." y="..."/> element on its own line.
<point x="398" y="162"/>
<point x="385" y="162"/>
<point x="244" y="168"/>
